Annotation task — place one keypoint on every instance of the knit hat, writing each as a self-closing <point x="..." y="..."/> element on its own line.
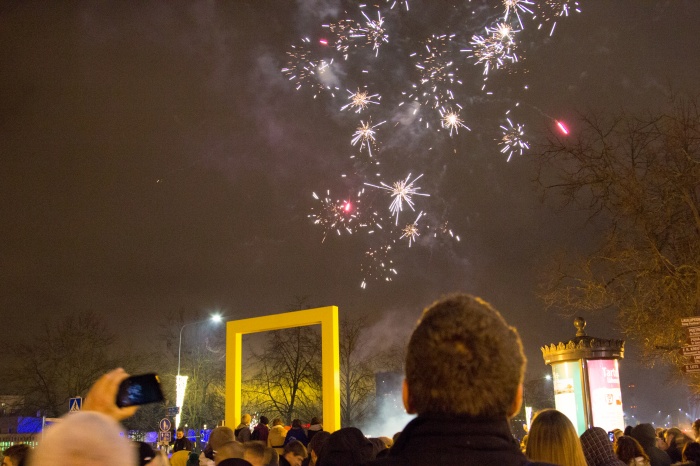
<point x="85" y="437"/>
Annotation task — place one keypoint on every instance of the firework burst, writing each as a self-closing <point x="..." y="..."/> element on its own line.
<point x="402" y="191"/>
<point x="549" y="10"/>
<point x="334" y="215"/>
<point x="443" y="229"/>
<point x="438" y="72"/>
<point x="359" y="100"/>
<point x="450" y="120"/>
<point x="377" y="265"/>
<point x="374" y="33"/>
<point x="513" y="139"/>
<point x="302" y="68"/>
<point x="495" y="50"/>
<point x="410" y="231"/>
<point x="517" y="7"/>
<point x="365" y="135"/>
<point x="426" y="74"/>
<point x="343" y="33"/>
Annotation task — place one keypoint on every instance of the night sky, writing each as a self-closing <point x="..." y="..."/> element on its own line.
<point x="153" y="157"/>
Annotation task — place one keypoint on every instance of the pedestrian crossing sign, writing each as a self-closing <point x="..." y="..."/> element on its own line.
<point x="74" y="404"/>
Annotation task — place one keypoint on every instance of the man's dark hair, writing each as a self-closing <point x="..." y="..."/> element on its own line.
<point x="255" y="448"/>
<point x="295" y="447"/>
<point x="691" y="452"/>
<point x="264" y="420"/>
<point x="17" y="452"/>
<point x="318" y="440"/>
<point x="463" y="358"/>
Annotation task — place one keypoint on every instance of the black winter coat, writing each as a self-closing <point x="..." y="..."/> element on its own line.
<point x="454" y="441"/>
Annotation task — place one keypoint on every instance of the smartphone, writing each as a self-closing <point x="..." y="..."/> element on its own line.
<point x="611" y="436"/>
<point x="139" y="390"/>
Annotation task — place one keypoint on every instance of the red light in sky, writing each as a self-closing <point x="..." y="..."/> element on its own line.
<point x="562" y="128"/>
<point x="347" y="207"/>
<point x="323" y="41"/>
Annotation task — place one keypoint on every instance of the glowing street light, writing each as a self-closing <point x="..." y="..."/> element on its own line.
<point x="181" y="380"/>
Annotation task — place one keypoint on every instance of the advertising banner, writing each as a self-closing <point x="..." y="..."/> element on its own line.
<point x="606" y="398"/>
<point x="568" y="392"/>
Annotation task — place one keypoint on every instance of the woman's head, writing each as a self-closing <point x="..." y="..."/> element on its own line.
<point x="696" y="428"/>
<point x="553" y="439"/>
<point x="676" y="438"/>
<point x="628" y="448"/>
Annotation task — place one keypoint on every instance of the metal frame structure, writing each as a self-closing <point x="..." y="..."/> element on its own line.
<point x="327" y="317"/>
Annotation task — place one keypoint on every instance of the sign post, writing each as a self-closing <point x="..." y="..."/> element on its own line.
<point x="165" y="435"/>
<point x="75" y="404"/>
<point x="692" y="349"/>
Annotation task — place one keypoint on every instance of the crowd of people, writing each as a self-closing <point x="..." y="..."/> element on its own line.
<point x="464" y="374"/>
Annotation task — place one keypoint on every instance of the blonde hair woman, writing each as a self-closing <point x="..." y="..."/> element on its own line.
<point x="553" y="439"/>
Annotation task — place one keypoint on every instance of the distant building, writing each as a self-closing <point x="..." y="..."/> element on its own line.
<point x="11" y="421"/>
<point x="631" y="411"/>
<point x="13" y="427"/>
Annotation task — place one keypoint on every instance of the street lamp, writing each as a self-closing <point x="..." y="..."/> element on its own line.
<point x="181" y="380"/>
<point x="215" y="318"/>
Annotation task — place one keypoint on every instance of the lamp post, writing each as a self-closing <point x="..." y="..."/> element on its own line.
<point x="181" y="380"/>
<point x="216" y="318"/>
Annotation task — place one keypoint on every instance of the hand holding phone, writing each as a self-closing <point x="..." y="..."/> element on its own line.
<point x="102" y="396"/>
<point x="139" y="390"/>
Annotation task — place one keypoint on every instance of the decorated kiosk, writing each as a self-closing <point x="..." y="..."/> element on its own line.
<point x="586" y="379"/>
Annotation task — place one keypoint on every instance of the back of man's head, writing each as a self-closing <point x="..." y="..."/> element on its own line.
<point x="230" y="450"/>
<point x="254" y="453"/>
<point x="220" y="437"/>
<point x="463" y="358"/>
<point x="16" y="454"/>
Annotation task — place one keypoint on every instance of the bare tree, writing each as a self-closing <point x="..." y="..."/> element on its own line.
<point x="63" y="360"/>
<point x="288" y="379"/>
<point x="638" y="177"/>
<point x="357" y="384"/>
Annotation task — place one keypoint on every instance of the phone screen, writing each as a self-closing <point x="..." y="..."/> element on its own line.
<point x="139" y="390"/>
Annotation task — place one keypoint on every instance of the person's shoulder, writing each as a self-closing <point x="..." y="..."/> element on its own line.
<point x="399" y="461"/>
<point x="234" y="462"/>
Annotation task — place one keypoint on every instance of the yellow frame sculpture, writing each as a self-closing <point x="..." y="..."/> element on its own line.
<point x="327" y="317"/>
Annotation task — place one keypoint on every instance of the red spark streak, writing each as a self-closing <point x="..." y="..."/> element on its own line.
<point x="562" y="127"/>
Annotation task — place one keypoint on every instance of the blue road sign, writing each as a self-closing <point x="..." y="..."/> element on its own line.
<point x="74" y="404"/>
<point x="165" y="425"/>
<point x="165" y="437"/>
<point x="174" y="411"/>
